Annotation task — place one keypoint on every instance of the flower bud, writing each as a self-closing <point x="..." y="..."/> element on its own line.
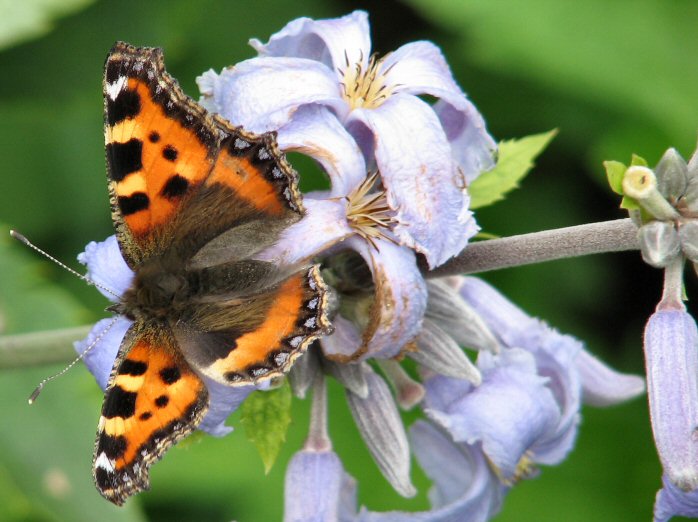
<point x="659" y="243"/>
<point x="672" y="174"/>
<point x="688" y="234"/>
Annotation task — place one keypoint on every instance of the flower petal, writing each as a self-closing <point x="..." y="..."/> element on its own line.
<point x="473" y="149"/>
<point x="223" y="401"/>
<point x="510" y="324"/>
<point x="509" y="412"/>
<point x="602" y="385"/>
<point x="420" y="177"/>
<point x="324" y="225"/>
<point x="400" y="297"/>
<point x="328" y="41"/>
<point x="420" y="68"/>
<point x="458" y="319"/>
<point x="344" y="344"/>
<point x="313" y="487"/>
<point x="465" y="489"/>
<point x="106" y="267"/>
<point x="672" y="501"/>
<point x="381" y="427"/>
<point x="261" y="94"/>
<point x="316" y="132"/>
<point x="671" y="357"/>
<point x="100" y="359"/>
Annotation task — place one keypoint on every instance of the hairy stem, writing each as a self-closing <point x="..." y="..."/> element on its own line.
<point x="548" y="245"/>
<point x="37" y="348"/>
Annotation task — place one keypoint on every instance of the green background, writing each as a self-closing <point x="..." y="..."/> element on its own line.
<point x="615" y="77"/>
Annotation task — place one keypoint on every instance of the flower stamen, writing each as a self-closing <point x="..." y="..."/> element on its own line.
<point x="364" y="86"/>
<point x="368" y="212"/>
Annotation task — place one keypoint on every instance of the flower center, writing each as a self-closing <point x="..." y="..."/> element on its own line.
<point x="364" y="85"/>
<point x="368" y="212"/>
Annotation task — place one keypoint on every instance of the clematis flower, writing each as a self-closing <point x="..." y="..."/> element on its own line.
<point x="426" y="154"/>
<point x="353" y="216"/>
<point x="106" y="266"/>
<point x="526" y="411"/>
<point x="465" y="488"/>
<point x="671" y="356"/>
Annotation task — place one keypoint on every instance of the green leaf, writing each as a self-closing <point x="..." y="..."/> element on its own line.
<point x="265" y="416"/>
<point x="615" y="170"/>
<point x="638" y="161"/>
<point x="21" y="21"/>
<point x="515" y="161"/>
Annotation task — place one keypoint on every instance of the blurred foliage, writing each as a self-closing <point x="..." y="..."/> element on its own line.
<point x="613" y="77"/>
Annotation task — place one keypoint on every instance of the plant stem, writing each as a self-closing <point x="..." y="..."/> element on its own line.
<point x="318" y="438"/>
<point x="536" y="247"/>
<point x="38" y="348"/>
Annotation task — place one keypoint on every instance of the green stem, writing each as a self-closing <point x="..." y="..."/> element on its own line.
<point x="39" y="348"/>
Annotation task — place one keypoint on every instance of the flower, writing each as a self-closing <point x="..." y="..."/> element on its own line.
<point x="353" y="216"/>
<point x="671" y="356"/>
<point x="426" y="155"/>
<point x="317" y="489"/>
<point x="106" y="266"/>
<point x="526" y="411"/>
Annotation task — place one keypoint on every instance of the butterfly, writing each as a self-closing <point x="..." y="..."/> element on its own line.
<point x="193" y="199"/>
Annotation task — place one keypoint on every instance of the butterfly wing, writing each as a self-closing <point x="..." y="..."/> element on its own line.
<point x="153" y="400"/>
<point x="248" y="339"/>
<point x="161" y="147"/>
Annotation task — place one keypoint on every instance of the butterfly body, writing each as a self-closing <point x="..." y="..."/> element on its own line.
<point x="193" y="199"/>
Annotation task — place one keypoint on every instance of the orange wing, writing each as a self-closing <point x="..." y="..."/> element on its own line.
<point x="161" y="146"/>
<point x="153" y="400"/>
<point x="271" y="329"/>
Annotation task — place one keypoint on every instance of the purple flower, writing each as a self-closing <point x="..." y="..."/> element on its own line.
<point x="465" y="488"/>
<point x="426" y="155"/>
<point x="354" y="216"/>
<point x="526" y="411"/>
<point x="671" y="357"/>
<point x="106" y="266"/>
<point x="318" y="489"/>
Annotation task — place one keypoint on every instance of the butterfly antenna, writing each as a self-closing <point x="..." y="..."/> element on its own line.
<point x="19" y="237"/>
<point x="37" y="390"/>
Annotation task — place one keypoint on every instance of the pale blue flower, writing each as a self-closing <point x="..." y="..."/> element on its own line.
<point x="465" y="489"/>
<point x="671" y="357"/>
<point x="336" y="221"/>
<point x="106" y="266"/>
<point x="317" y="489"/>
<point x="426" y="155"/>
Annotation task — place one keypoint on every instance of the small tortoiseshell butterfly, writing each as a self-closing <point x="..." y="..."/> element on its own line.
<point x="193" y="200"/>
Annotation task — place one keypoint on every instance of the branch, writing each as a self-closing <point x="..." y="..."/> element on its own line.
<point x="39" y="348"/>
<point x="525" y="249"/>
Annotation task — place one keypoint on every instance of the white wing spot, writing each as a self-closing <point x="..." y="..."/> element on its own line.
<point x="102" y="461"/>
<point x="281" y="358"/>
<point x="295" y="341"/>
<point x="113" y="89"/>
<point x="312" y="304"/>
<point x="263" y="154"/>
<point x="276" y="173"/>
<point x="241" y="144"/>
<point x="310" y="323"/>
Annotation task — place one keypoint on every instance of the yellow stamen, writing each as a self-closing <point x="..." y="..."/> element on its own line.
<point x="364" y="86"/>
<point x="368" y="212"/>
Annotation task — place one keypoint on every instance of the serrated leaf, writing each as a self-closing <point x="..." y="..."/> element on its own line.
<point x="615" y="170"/>
<point x="638" y="161"/>
<point x="265" y="416"/>
<point x="515" y="161"/>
